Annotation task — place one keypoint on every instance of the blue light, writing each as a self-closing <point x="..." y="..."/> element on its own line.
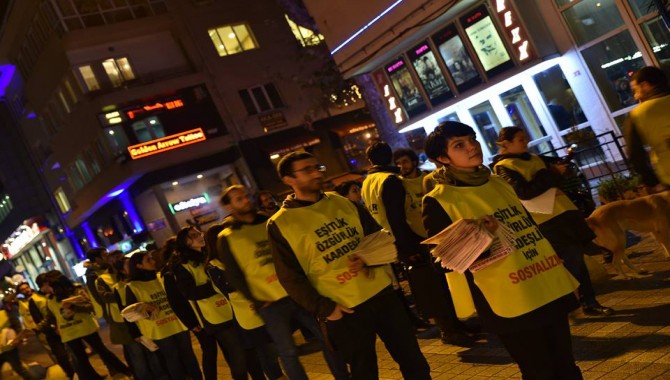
<point x="132" y="212"/>
<point x="361" y="30"/>
<point x="74" y="243"/>
<point x="90" y="236"/>
<point x="115" y="193"/>
<point x="31" y="115"/>
<point x="6" y="75"/>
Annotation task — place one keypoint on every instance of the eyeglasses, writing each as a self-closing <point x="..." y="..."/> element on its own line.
<point x="312" y="168"/>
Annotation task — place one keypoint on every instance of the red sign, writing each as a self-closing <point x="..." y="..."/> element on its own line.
<point x="169" y="105"/>
<point x="164" y="144"/>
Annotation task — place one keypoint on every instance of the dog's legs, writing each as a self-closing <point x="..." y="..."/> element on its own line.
<point x="663" y="238"/>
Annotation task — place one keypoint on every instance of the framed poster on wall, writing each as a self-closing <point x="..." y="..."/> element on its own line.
<point x="429" y="73"/>
<point x="404" y="86"/>
<point x="486" y="41"/>
<point x="461" y="67"/>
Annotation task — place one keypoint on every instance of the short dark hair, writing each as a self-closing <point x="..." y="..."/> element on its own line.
<point x="225" y="195"/>
<point x="344" y="188"/>
<point x="95" y="253"/>
<point x="285" y="165"/>
<point x="379" y="153"/>
<point x="436" y="142"/>
<point x="405" y="152"/>
<point x="23" y="283"/>
<point x="507" y="134"/>
<point x="135" y="273"/>
<point x="41" y="279"/>
<point x="652" y="75"/>
<point x="257" y="198"/>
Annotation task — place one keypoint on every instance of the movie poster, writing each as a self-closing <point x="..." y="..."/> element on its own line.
<point x="429" y="73"/>
<point x="409" y="93"/>
<point x="487" y="43"/>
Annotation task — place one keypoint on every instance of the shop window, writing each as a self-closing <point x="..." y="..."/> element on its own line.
<point x="232" y="39"/>
<point x="659" y="39"/>
<point x="117" y="141"/>
<point x="62" y="201"/>
<point x="450" y="117"/>
<point x="93" y="162"/>
<point x="260" y="99"/>
<point x="523" y="115"/>
<point x="83" y="169"/>
<point x="590" y="19"/>
<point x="75" y="177"/>
<point x="148" y="129"/>
<point x="118" y="70"/>
<point x="641" y="7"/>
<point x="488" y="124"/>
<point x="88" y="76"/>
<point x="611" y="63"/>
<point x="6" y="206"/>
<point x="557" y="94"/>
<point x="306" y="37"/>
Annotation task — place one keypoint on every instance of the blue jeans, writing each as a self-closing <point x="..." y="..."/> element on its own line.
<point x="278" y="317"/>
<point x="145" y="364"/>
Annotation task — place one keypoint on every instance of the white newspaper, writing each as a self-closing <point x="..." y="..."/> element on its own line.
<point x="377" y="248"/>
<point x="543" y="203"/>
<point x="137" y="311"/>
<point x="458" y="246"/>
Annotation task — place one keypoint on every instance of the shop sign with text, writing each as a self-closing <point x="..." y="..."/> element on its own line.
<point x="164" y="144"/>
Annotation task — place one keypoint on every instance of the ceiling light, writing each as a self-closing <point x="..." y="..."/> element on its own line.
<point x="199" y="176"/>
<point x="175" y="183"/>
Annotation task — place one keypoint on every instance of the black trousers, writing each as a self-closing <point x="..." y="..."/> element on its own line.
<point x="354" y="336"/>
<point x="12" y="357"/>
<point x="58" y="350"/>
<point x="544" y="353"/>
<point x="83" y="366"/>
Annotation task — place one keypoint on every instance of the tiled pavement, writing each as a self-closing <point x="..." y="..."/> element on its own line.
<point x="634" y="343"/>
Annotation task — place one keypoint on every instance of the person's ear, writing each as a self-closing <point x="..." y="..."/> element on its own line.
<point x="444" y="159"/>
<point x="288" y="180"/>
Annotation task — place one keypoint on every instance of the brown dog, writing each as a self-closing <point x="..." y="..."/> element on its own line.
<point x="650" y="213"/>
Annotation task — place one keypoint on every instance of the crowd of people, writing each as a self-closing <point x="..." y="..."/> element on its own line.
<point x="246" y="285"/>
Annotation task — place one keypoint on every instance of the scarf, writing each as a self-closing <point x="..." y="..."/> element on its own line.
<point x="448" y="175"/>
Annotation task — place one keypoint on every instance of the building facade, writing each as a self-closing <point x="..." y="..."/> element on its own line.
<point x="145" y="110"/>
<point x="560" y="69"/>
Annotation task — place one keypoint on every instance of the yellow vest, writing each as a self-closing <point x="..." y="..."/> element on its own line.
<point x="111" y="308"/>
<point x="322" y="236"/>
<point x="24" y="309"/>
<point x="532" y="275"/>
<point x="120" y="288"/>
<point x="372" y="195"/>
<point x="653" y="125"/>
<point x="77" y="326"/>
<point x="414" y="194"/>
<point x="215" y="309"/>
<point x="166" y="323"/>
<point x="528" y="168"/>
<point x="250" y="247"/>
<point x="244" y="310"/>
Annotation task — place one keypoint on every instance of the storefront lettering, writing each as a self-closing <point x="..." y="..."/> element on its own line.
<point x="514" y="31"/>
<point x="20" y="238"/>
<point x="189" y="203"/>
<point x="166" y="143"/>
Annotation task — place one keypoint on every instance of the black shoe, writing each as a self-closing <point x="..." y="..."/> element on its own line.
<point x="597" y="309"/>
<point x="458" y="338"/>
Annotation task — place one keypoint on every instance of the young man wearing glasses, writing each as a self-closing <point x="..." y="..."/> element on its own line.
<point x="311" y="240"/>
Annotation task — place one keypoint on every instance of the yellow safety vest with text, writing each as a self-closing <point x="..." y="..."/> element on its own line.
<point x="112" y="308"/>
<point x="214" y="309"/>
<point x="244" y="310"/>
<point x="653" y="125"/>
<point x="414" y="194"/>
<point x="372" y="195"/>
<point x="323" y="235"/>
<point x="250" y="247"/>
<point x="71" y="328"/>
<point x="532" y="275"/>
<point x="528" y="168"/>
<point x="24" y="309"/>
<point x="166" y="323"/>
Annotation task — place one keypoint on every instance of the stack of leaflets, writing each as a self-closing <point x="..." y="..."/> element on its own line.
<point x="543" y="203"/>
<point x="460" y="245"/>
<point x="377" y="249"/>
<point x="137" y="311"/>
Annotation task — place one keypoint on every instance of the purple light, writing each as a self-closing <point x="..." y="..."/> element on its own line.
<point x="135" y="219"/>
<point x="90" y="236"/>
<point x="31" y="115"/>
<point x="6" y="75"/>
<point x="74" y="243"/>
<point x="112" y="194"/>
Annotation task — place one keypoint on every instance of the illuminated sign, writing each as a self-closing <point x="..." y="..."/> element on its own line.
<point x="429" y="73"/>
<point x="391" y="102"/>
<point x="486" y="41"/>
<point x="514" y="31"/>
<point x="189" y="203"/>
<point x="404" y="86"/>
<point x="164" y="144"/>
<point x="20" y="238"/>
<point x="168" y="105"/>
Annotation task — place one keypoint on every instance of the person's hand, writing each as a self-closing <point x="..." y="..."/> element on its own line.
<point x="355" y="264"/>
<point x="490" y="223"/>
<point x="339" y="312"/>
<point x="559" y="168"/>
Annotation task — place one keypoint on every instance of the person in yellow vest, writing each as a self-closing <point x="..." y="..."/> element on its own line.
<point x="648" y="125"/>
<point x="525" y="297"/>
<point x="565" y="228"/>
<point x="163" y="326"/>
<point x="69" y="307"/>
<point x="244" y="251"/>
<point x="312" y="237"/>
<point x="11" y="336"/>
<point x="412" y="180"/>
<point x="33" y="308"/>
<point x="388" y="201"/>
<point x="212" y="308"/>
